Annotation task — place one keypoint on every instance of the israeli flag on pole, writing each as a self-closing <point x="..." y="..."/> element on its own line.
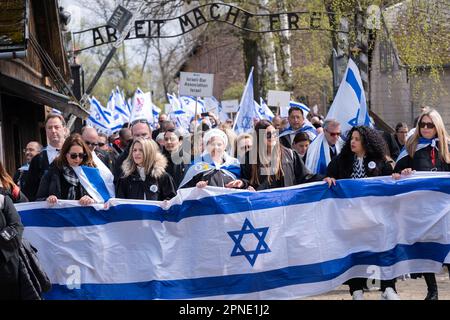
<point x="349" y="107"/>
<point x="113" y="115"/>
<point x="98" y="117"/>
<point x="121" y="107"/>
<point x="216" y="243"/>
<point x="188" y="104"/>
<point x="247" y="111"/>
<point x="142" y="107"/>
<point x="263" y="111"/>
<point x="98" y="182"/>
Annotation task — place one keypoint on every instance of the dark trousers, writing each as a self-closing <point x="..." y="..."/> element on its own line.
<point x="361" y="284"/>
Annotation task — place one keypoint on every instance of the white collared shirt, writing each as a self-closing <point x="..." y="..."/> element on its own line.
<point x="52" y="153"/>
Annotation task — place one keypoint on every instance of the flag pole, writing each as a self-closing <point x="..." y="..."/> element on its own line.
<point x="196" y="116"/>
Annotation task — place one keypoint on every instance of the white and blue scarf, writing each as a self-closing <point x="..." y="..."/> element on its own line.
<point x="307" y="127"/>
<point x="204" y="164"/>
<point x="423" y="143"/>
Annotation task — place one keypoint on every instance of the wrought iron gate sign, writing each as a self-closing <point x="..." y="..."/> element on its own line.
<point x="214" y="12"/>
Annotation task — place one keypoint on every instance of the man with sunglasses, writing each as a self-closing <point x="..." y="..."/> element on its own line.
<point x="90" y="137"/>
<point x="325" y="147"/>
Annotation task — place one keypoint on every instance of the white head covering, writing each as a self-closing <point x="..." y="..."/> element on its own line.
<point x="160" y="136"/>
<point x="214" y="133"/>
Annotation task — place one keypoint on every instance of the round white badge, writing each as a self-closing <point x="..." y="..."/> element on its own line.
<point x="372" y="165"/>
<point x="153" y="188"/>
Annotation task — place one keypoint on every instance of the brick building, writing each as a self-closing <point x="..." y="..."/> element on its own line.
<point x="396" y="94"/>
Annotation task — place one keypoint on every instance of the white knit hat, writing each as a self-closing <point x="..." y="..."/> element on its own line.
<point x="215" y="133"/>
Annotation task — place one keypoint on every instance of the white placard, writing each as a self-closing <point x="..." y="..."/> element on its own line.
<point x="284" y="112"/>
<point x="278" y="98"/>
<point x="210" y="106"/>
<point x="230" y="106"/>
<point x="196" y="84"/>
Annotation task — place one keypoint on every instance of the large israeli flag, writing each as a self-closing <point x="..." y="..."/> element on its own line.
<point x="247" y="111"/>
<point x="349" y="107"/>
<point x="218" y="243"/>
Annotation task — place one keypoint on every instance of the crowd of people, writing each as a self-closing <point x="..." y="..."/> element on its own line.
<point x="153" y="164"/>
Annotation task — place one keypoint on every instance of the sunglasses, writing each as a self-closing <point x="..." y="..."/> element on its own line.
<point x="428" y="125"/>
<point x="91" y="143"/>
<point x="270" y="135"/>
<point x="101" y="144"/>
<point x="334" y="134"/>
<point x="73" y="156"/>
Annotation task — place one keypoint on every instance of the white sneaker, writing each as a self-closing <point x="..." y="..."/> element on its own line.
<point x="358" y="295"/>
<point x="389" y="294"/>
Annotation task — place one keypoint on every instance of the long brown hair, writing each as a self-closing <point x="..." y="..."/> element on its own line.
<point x="275" y="161"/>
<point x="441" y="133"/>
<point x="6" y="180"/>
<point x="74" y="140"/>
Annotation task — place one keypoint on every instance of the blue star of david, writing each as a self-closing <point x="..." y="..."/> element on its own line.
<point x="246" y="122"/>
<point x="260" y="234"/>
<point x="354" y="122"/>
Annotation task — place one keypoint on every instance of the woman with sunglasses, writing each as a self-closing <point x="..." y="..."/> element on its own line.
<point x="61" y="181"/>
<point x="426" y="150"/>
<point x="363" y="155"/>
<point x="270" y="165"/>
<point x="144" y="173"/>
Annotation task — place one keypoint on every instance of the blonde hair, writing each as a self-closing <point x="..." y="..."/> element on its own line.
<point x="442" y="134"/>
<point x="154" y="162"/>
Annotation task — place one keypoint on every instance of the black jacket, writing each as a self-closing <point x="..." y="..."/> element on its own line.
<point x="295" y="172"/>
<point x="176" y="171"/>
<point x="117" y="172"/>
<point x="106" y="157"/>
<point x="9" y="250"/>
<point x="340" y="169"/>
<point x="38" y="167"/>
<point x="15" y="199"/>
<point x="54" y="183"/>
<point x="158" y="185"/>
<point x="422" y="161"/>
<point x="158" y="189"/>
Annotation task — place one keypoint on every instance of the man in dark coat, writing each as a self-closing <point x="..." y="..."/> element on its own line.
<point x="56" y="131"/>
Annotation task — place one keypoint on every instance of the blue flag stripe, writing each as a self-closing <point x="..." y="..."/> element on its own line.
<point x="227" y="204"/>
<point x="96" y="180"/>
<point x="252" y="282"/>
<point x="351" y="80"/>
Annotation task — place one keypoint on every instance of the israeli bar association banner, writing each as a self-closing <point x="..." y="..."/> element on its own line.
<point x="218" y="243"/>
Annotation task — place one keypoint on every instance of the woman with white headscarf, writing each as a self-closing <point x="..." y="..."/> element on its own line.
<point x="214" y="167"/>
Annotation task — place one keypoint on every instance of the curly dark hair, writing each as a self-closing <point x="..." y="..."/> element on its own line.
<point x="372" y="142"/>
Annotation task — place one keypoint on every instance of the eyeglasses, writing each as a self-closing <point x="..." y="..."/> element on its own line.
<point x="429" y="125"/>
<point x="101" y="144"/>
<point x="91" y="143"/>
<point x="73" y="156"/>
<point x="28" y="150"/>
<point x="334" y="134"/>
<point x="271" y="135"/>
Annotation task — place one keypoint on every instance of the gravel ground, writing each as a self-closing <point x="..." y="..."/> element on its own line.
<point x="408" y="289"/>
